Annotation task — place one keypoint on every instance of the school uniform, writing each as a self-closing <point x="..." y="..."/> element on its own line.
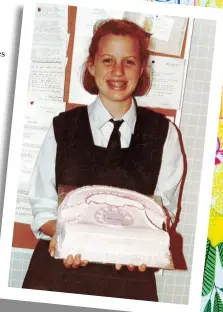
<point x="76" y="153"/>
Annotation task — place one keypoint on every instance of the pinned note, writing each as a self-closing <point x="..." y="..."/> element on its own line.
<point x="160" y="27"/>
<point x="167" y="79"/>
<point x="87" y="19"/>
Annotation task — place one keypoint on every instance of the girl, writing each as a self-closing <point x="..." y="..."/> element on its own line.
<point x="110" y="142"/>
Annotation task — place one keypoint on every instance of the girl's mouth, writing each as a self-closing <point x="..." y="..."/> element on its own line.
<point x="117" y="85"/>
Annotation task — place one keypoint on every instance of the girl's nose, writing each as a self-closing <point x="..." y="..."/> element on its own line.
<point x="118" y="69"/>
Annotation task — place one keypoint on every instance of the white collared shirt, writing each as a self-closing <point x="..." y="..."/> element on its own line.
<point x="42" y="192"/>
<point x="101" y="128"/>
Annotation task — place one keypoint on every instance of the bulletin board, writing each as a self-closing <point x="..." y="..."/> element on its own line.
<point x="22" y="235"/>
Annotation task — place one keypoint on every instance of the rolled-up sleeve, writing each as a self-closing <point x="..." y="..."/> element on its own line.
<point x="42" y="192"/>
<point x="171" y="172"/>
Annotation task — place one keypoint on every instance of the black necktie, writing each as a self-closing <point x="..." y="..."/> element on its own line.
<point x="114" y="141"/>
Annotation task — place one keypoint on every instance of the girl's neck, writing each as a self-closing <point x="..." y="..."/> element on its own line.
<point x="117" y="109"/>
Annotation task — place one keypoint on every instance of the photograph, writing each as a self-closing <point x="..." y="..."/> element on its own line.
<point x="108" y="197"/>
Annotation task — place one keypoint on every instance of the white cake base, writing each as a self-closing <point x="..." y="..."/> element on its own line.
<point x="123" y="246"/>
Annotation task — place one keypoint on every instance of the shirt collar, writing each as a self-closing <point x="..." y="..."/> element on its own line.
<point x="101" y="115"/>
<point x="98" y="113"/>
<point x="130" y="117"/>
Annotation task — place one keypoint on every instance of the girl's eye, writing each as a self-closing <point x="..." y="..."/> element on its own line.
<point x="107" y="61"/>
<point x="129" y="62"/>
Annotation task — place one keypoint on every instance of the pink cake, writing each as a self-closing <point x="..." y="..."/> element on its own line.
<point x="112" y="225"/>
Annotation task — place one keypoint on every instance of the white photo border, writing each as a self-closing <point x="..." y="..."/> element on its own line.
<point x="206" y="174"/>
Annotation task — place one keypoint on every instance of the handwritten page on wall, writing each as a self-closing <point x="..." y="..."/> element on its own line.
<point x="48" y="58"/>
<point x="46" y="81"/>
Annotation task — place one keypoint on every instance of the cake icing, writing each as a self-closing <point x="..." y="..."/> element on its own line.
<point x="112" y="225"/>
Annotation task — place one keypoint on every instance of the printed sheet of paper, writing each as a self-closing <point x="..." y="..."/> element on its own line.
<point x="86" y="18"/>
<point x="167" y="32"/>
<point x="51" y="53"/>
<point x="166" y="86"/>
<point x="50" y="33"/>
<point x="37" y="120"/>
<point x="160" y="26"/>
<point x="77" y="93"/>
<point x="175" y="41"/>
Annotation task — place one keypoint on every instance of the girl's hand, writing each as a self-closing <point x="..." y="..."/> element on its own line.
<point x="71" y="261"/>
<point x="52" y="246"/>
<point x="131" y="267"/>
<point x="74" y="262"/>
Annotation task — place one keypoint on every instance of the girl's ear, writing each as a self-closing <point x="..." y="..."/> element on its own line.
<point x="143" y="67"/>
<point x="90" y="66"/>
<point x="141" y="70"/>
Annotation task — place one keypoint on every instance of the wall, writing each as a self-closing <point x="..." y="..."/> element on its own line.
<point x="174" y="286"/>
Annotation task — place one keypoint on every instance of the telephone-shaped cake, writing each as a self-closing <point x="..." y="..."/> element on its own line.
<point x="112" y="225"/>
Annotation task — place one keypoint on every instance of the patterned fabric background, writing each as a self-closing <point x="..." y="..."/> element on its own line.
<point x="212" y="290"/>
<point x="203" y="3"/>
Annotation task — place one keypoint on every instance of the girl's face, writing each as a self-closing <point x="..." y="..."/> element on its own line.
<point x="116" y="68"/>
